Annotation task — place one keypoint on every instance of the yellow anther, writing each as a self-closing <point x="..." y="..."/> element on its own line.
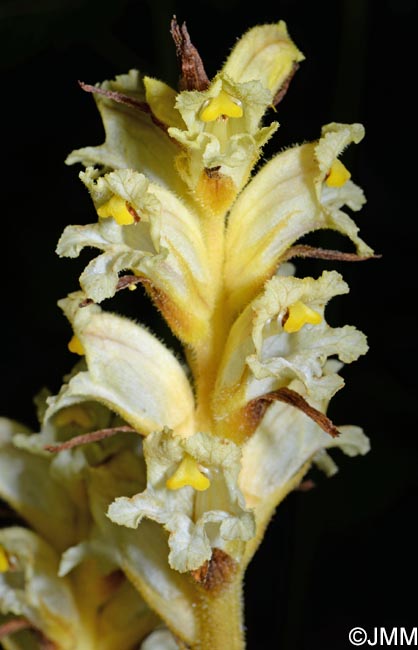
<point x="132" y="287"/>
<point x="188" y="473"/>
<point x="222" y="105"/>
<point x="73" y="415"/>
<point x="338" y="175"/>
<point x="76" y="346"/>
<point x="299" y="315"/>
<point x="116" y="208"/>
<point x="4" y="561"/>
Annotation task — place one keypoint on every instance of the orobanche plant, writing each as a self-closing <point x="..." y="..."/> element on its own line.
<point x="149" y="486"/>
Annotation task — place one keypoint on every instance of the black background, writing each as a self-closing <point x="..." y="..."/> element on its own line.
<point x="343" y="554"/>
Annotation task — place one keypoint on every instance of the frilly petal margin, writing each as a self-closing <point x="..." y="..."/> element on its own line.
<point x="164" y="246"/>
<point x="260" y="356"/>
<point x="287" y="199"/>
<point x="184" y="512"/>
<point x="217" y="157"/>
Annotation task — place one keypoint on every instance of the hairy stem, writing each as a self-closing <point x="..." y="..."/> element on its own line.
<point x="205" y="359"/>
<point x="220" y="615"/>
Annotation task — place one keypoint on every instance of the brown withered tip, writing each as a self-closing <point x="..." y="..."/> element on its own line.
<point x="256" y="409"/>
<point x="86" y="438"/>
<point x="122" y="98"/>
<point x="215" y="573"/>
<point x="300" y="250"/>
<point x="193" y="75"/>
<point x="291" y="397"/>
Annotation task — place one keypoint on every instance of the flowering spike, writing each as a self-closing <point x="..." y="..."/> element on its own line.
<point x="338" y="174"/>
<point x="188" y="473"/>
<point x="299" y="315"/>
<point x="185" y="210"/>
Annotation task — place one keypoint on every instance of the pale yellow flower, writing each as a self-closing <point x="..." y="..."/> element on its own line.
<point x="96" y="605"/>
<point x="205" y="448"/>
